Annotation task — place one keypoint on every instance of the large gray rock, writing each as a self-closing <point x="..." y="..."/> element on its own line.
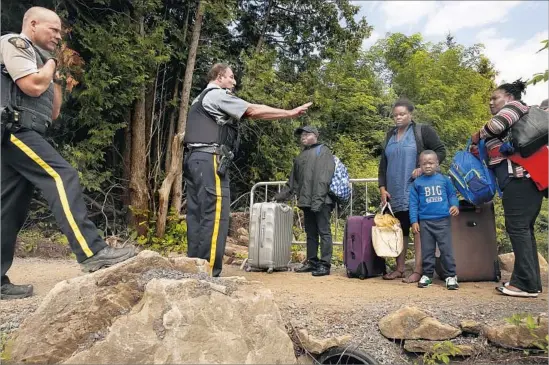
<point x="518" y="336"/>
<point x="410" y="323"/>
<point x="148" y="311"/>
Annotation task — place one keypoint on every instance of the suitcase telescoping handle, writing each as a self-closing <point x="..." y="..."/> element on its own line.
<point x="285" y="207"/>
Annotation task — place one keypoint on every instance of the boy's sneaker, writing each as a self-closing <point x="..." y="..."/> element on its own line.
<point x="452" y="283"/>
<point x="424" y="282"/>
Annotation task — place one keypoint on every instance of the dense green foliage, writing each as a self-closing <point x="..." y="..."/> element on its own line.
<point x="284" y="53"/>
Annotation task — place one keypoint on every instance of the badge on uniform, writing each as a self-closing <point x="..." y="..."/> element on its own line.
<point x="18" y="42"/>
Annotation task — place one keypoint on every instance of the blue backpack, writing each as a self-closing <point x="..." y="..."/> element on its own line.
<point x="340" y="187"/>
<point x="472" y="177"/>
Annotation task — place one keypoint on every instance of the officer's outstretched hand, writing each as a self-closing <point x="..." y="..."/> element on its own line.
<point x="301" y="109"/>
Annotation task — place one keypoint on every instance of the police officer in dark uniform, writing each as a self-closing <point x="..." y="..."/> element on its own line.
<point x="30" y="100"/>
<point x="211" y="138"/>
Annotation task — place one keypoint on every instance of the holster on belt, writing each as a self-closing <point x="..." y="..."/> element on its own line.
<point x="225" y="160"/>
<point x="33" y="121"/>
<point x="8" y="118"/>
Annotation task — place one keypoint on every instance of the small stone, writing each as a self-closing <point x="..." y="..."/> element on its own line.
<point x="513" y="336"/>
<point x="316" y="345"/>
<point x="473" y="327"/>
<point x="242" y="231"/>
<point x="410" y="323"/>
<point x="422" y="346"/>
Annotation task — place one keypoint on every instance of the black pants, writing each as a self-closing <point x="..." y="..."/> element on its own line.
<point x="521" y="205"/>
<point x="208" y="209"/>
<point x="432" y="232"/>
<point x="28" y="160"/>
<point x="317" y="225"/>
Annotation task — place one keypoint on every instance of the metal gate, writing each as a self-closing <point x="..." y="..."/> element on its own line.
<point x="278" y="184"/>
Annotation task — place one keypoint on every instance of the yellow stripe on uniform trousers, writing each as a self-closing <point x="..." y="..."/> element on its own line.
<point x="217" y="215"/>
<point x="60" y="190"/>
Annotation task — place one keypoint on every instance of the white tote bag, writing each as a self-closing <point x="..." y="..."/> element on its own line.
<point x="387" y="237"/>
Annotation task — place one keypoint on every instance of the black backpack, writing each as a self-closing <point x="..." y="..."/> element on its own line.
<point x="529" y="133"/>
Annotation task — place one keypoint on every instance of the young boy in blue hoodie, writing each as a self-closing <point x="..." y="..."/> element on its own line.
<point x="432" y="201"/>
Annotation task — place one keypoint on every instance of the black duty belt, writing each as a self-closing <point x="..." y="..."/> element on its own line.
<point x="18" y="119"/>
<point x="38" y="127"/>
<point x="208" y="149"/>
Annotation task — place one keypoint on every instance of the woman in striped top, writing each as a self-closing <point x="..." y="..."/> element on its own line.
<point x="521" y="197"/>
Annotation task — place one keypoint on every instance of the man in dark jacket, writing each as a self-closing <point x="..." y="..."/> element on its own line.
<point x="310" y="182"/>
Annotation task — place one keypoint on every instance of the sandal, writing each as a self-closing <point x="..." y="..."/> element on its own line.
<point x="392" y="276"/>
<point x="408" y="280"/>
<point x="506" y="285"/>
<point x="515" y="293"/>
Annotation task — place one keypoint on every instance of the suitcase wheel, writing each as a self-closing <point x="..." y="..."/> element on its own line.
<point x="270" y="270"/>
<point x="361" y="277"/>
<point x="248" y="269"/>
<point x="349" y="275"/>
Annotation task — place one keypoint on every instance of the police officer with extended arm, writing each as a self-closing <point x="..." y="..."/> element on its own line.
<point x="211" y="137"/>
<point x="31" y="99"/>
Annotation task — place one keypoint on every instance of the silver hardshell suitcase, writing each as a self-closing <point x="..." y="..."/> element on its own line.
<point x="270" y="236"/>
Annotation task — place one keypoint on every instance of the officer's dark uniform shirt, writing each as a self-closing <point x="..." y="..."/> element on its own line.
<point x="223" y="106"/>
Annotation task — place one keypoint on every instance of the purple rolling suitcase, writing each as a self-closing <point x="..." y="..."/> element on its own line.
<point x="359" y="256"/>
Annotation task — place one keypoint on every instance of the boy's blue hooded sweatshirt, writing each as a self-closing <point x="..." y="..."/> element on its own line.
<point x="431" y="198"/>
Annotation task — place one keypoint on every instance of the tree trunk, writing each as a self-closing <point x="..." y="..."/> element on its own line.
<point x="173" y="114"/>
<point x="164" y="191"/>
<point x="184" y="104"/>
<point x="127" y="159"/>
<point x="139" y="193"/>
<point x="149" y="110"/>
<point x="175" y="172"/>
<point x="171" y="127"/>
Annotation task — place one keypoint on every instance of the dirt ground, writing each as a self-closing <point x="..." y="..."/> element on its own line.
<point x="326" y="306"/>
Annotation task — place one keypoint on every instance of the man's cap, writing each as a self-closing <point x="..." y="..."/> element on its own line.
<point x="544" y="104"/>
<point x="308" y="129"/>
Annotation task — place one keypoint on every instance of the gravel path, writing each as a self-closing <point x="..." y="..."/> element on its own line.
<point x="327" y="306"/>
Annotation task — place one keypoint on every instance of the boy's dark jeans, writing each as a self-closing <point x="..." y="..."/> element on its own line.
<point x="432" y="232"/>
<point x="317" y="225"/>
<point x="522" y="204"/>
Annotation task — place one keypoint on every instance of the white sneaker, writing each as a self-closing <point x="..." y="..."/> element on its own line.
<point x="424" y="282"/>
<point x="452" y="283"/>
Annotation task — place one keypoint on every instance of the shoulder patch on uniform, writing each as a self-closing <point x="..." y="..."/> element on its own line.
<point x="19" y="42"/>
<point x="229" y="92"/>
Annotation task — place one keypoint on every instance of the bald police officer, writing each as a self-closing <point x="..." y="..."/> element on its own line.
<point x="30" y="101"/>
<point x="211" y="139"/>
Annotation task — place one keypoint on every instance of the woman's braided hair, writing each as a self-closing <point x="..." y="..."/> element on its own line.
<point x="516" y="89"/>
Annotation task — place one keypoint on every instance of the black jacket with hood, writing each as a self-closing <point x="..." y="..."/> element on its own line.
<point x="310" y="178"/>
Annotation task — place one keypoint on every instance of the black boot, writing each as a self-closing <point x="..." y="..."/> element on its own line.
<point x="321" y="271"/>
<point x="308" y="267"/>
<point x="11" y="291"/>
<point x="107" y="257"/>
